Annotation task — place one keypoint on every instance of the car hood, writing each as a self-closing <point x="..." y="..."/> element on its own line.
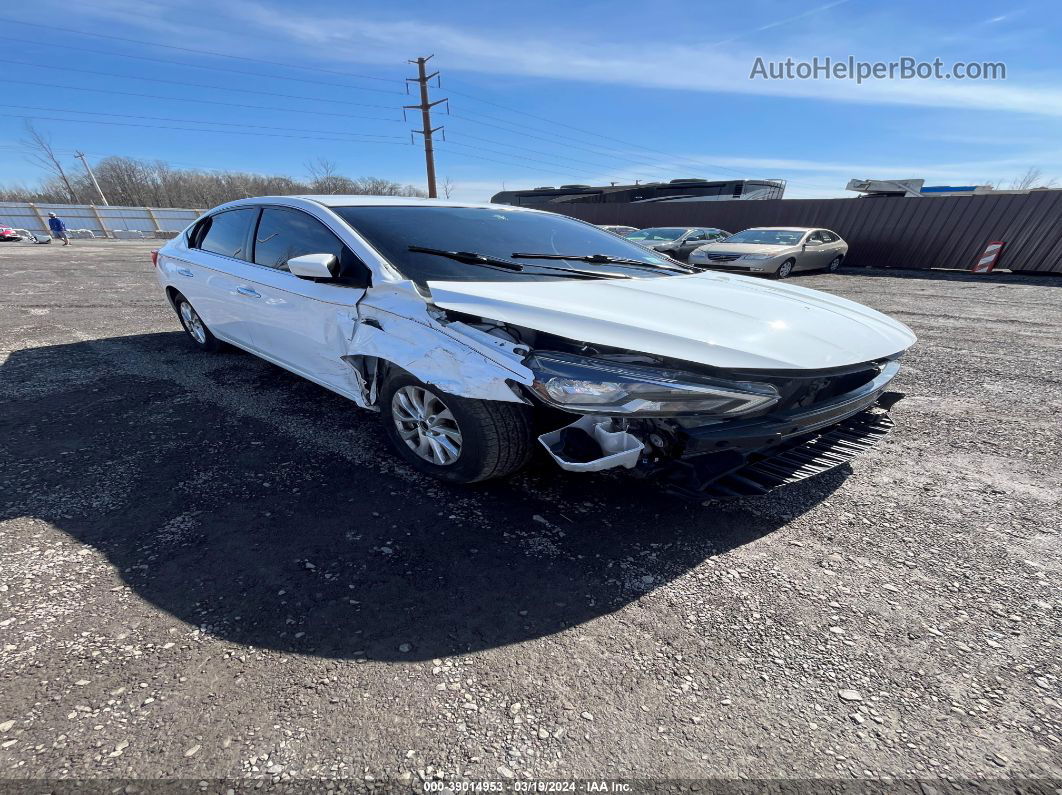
<point x="745" y="248"/>
<point x="715" y="319"/>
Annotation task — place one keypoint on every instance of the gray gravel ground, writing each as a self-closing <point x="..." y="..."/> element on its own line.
<point x="211" y="568"/>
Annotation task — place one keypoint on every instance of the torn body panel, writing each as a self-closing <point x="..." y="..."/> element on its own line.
<point x="396" y="326"/>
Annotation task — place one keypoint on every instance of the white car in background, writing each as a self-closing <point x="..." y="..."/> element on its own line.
<point x="777" y="251"/>
<point x="475" y="328"/>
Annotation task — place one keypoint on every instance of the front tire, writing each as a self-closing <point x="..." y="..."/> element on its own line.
<point x="461" y="440"/>
<point x="785" y="270"/>
<point x="194" y="326"/>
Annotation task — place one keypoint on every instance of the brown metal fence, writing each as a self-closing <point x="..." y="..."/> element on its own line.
<point x="931" y="232"/>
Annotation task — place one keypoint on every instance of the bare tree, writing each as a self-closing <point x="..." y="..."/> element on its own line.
<point x="448" y="187"/>
<point x="154" y="183"/>
<point x="325" y="177"/>
<point x="1033" y="178"/>
<point x="43" y="154"/>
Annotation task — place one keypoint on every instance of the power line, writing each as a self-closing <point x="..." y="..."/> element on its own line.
<point x="596" y="134"/>
<point x="562" y="167"/>
<point x="259" y="75"/>
<point x="53" y="28"/>
<point x="118" y="154"/>
<point x="185" y="83"/>
<point x="288" y="96"/>
<point x="502" y="162"/>
<point x="199" y="101"/>
<point x="201" y="121"/>
<point x="198" y="129"/>
<point x="599" y="166"/>
<point x="566" y="143"/>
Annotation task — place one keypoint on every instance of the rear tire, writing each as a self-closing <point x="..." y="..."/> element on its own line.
<point x="425" y="426"/>
<point x="194" y="326"/>
<point x="835" y="263"/>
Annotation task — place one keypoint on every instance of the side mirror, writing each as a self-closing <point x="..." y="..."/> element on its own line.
<point x="314" y="266"/>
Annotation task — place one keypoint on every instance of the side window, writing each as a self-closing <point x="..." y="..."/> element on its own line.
<point x="828" y="237"/>
<point x="814" y="239"/>
<point x="698" y="234"/>
<point x="283" y="234"/>
<point x="225" y="233"/>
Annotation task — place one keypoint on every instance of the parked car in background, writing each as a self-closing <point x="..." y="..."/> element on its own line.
<point x="774" y="251"/>
<point x="473" y="329"/>
<point x="9" y="235"/>
<point x="33" y="237"/>
<point x="622" y="231"/>
<point x="675" y="241"/>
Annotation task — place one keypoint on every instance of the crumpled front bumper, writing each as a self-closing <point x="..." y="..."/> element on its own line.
<point x="743" y="473"/>
<point x="745" y="457"/>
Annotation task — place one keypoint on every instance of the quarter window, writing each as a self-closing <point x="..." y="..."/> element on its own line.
<point x="226" y="233"/>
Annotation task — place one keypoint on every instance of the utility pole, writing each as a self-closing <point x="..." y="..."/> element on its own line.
<point x="425" y="107"/>
<point x="81" y="156"/>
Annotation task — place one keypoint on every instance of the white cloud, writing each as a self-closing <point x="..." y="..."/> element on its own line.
<point x="651" y="62"/>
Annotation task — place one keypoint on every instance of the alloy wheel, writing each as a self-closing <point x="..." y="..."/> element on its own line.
<point x="192" y="323"/>
<point x="785" y="269"/>
<point x="426" y="425"/>
<point x="835" y="263"/>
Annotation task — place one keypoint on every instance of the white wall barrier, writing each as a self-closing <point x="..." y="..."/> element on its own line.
<point x="123" y="223"/>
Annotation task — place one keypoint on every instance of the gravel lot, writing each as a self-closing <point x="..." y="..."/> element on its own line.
<point x="210" y="568"/>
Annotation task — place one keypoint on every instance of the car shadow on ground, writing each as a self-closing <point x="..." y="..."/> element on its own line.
<point x="266" y="510"/>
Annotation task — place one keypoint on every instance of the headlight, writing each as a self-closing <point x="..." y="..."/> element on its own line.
<point x="758" y="256"/>
<point x="595" y="386"/>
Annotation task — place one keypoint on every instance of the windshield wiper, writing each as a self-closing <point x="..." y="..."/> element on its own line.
<point x="605" y="259"/>
<point x="470" y="257"/>
<point x="475" y="258"/>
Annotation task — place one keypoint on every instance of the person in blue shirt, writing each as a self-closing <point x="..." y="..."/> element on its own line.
<point x="58" y="228"/>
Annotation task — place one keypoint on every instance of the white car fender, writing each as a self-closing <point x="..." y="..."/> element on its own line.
<point x="396" y="326"/>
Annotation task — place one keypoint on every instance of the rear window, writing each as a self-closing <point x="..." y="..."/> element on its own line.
<point x="225" y="233"/>
<point x="768" y="237"/>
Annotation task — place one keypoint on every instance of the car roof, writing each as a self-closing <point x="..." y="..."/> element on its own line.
<point x="392" y="201"/>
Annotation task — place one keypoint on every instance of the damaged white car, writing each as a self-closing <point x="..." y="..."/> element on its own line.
<point x="477" y="329"/>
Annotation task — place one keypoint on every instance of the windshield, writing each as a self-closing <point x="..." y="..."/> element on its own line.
<point x="768" y="237"/>
<point x="658" y="233"/>
<point x="491" y="232"/>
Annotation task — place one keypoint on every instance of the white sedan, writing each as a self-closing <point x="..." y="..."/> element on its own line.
<point x="476" y="328"/>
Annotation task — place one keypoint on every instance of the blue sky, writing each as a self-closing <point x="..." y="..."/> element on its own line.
<point x="540" y="94"/>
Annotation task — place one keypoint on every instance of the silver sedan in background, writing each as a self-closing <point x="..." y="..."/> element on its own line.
<point x="676" y="241"/>
<point x="774" y="251"/>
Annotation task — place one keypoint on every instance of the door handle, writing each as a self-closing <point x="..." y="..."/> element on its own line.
<point x="250" y="292"/>
<point x="185" y="272"/>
